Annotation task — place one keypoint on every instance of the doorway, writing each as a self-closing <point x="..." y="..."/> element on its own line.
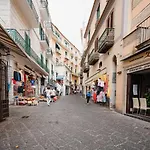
<point x="114" y="72"/>
<point x="138" y="86"/>
<point x="4" y="101"/>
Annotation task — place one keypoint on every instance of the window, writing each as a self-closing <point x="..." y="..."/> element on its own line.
<point x="71" y="57"/>
<point x="88" y="74"/>
<point x="57" y="46"/>
<point x="42" y="58"/>
<point x="52" y="67"/>
<point x="66" y="43"/>
<point x="58" y="35"/>
<point x="135" y="3"/>
<point x="98" y="12"/>
<point x="41" y="31"/>
<point x="46" y="61"/>
<point x="56" y="74"/>
<point x="57" y="60"/>
<point x="96" y="44"/>
<point x="65" y="53"/>
<point x="100" y="64"/>
<point x="71" y="68"/>
<point x="75" y="70"/>
<point x="66" y="73"/>
<point x="110" y="20"/>
<point x="89" y="36"/>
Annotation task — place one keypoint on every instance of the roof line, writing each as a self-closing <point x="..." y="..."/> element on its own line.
<point x="65" y="37"/>
<point x="88" y="24"/>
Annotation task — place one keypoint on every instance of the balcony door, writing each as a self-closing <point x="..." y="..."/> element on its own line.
<point x="110" y="20"/>
<point x="27" y="44"/>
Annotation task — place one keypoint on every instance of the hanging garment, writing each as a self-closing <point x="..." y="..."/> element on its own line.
<point x="17" y="76"/>
<point x="103" y="97"/>
<point x="20" y="89"/>
<point x="94" y="97"/>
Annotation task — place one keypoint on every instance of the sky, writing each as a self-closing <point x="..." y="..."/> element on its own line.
<point x="69" y="16"/>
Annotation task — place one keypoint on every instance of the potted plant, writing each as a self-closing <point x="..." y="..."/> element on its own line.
<point x="147" y="96"/>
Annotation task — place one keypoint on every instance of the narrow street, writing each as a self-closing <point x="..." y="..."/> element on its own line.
<point x="71" y="124"/>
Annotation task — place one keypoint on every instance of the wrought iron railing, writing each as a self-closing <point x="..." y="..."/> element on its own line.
<point x="144" y="28"/>
<point x="30" y="2"/>
<point x="108" y="35"/>
<point x="85" y="66"/>
<point x="44" y="37"/>
<point x="19" y="40"/>
<point x="92" y="52"/>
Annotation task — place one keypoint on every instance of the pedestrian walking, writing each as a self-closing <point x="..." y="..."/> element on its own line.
<point x="53" y="94"/>
<point x="88" y="96"/>
<point x="48" y="95"/>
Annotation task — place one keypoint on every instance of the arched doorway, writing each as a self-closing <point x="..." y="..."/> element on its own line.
<point x="114" y="72"/>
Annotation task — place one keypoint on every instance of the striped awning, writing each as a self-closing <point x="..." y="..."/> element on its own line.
<point x="8" y="43"/>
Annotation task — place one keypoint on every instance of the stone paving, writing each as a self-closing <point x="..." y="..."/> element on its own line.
<point x="71" y="124"/>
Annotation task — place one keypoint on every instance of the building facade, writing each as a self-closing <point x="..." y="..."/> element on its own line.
<point x="117" y="51"/>
<point x="28" y="23"/>
<point x="101" y="57"/>
<point x="136" y="57"/>
<point x="67" y="60"/>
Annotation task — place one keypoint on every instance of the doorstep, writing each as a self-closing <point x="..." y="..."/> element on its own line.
<point x="141" y="117"/>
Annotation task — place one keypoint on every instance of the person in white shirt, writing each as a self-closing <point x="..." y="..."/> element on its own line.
<point x="100" y="86"/>
<point x="58" y="89"/>
<point x="48" y="95"/>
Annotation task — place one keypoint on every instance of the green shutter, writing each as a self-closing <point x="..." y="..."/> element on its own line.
<point x="27" y="44"/>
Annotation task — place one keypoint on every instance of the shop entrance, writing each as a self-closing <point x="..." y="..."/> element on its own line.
<point x="138" y="86"/>
<point x="4" y="102"/>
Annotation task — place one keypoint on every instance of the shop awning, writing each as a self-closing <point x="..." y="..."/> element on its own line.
<point x="60" y="77"/>
<point x="9" y="43"/>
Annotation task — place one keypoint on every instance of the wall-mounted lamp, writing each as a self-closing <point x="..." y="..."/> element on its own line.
<point x="119" y="72"/>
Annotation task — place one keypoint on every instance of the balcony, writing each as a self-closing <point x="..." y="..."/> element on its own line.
<point x="138" y="40"/>
<point x="106" y="40"/>
<point x="75" y="74"/>
<point x="44" y="41"/>
<point x="72" y="61"/>
<point x="93" y="57"/>
<point x="58" y="51"/>
<point x="81" y="74"/>
<point x="19" y="40"/>
<point x="28" y="11"/>
<point x="86" y="67"/>
<point x="49" y="53"/>
<point x="144" y="34"/>
<point x="44" y="10"/>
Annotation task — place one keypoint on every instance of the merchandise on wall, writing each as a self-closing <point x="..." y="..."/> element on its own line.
<point x="24" y="88"/>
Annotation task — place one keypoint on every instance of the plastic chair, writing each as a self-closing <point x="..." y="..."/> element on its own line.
<point x="143" y="103"/>
<point x="136" y="104"/>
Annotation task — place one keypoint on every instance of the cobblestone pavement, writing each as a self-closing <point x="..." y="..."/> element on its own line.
<point x="71" y="124"/>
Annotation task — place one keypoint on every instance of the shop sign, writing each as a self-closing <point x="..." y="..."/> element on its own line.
<point x="139" y="68"/>
<point x="144" y="55"/>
